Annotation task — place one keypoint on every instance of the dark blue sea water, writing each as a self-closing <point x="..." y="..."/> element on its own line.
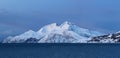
<point x="59" y="50"/>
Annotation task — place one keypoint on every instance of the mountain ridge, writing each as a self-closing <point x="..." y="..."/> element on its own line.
<point x="67" y="32"/>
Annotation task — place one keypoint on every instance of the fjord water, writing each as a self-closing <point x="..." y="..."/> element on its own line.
<point x="60" y="50"/>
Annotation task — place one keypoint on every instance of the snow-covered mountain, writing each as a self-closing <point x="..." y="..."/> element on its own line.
<point x="110" y="38"/>
<point x="53" y="33"/>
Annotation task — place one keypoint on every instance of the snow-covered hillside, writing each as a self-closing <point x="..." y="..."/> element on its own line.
<point x="109" y="38"/>
<point x="53" y="33"/>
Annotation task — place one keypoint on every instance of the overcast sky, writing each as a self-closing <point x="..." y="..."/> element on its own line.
<point x="18" y="16"/>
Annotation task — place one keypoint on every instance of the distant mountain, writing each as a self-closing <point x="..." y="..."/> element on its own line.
<point x="53" y="33"/>
<point x="109" y="38"/>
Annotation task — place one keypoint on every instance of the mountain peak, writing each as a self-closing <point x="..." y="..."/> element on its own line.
<point x="52" y="25"/>
<point x="67" y="22"/>
<point x="30" y="31"/>
<point x="65" y="25"/>
<point x="48" y="28"/>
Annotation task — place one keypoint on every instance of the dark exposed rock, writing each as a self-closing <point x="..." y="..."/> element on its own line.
<point x="115" y="37"/>
<point x="32" y="40"/>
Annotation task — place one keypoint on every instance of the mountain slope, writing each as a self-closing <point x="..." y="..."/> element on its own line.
<point x="110" y="38"/>
<point x="52" y="33"/>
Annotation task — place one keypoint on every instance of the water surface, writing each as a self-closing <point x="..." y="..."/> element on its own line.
<point x="59" y="50"/>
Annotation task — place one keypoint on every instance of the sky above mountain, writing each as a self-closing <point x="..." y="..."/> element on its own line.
<point x="18" y="16"/>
